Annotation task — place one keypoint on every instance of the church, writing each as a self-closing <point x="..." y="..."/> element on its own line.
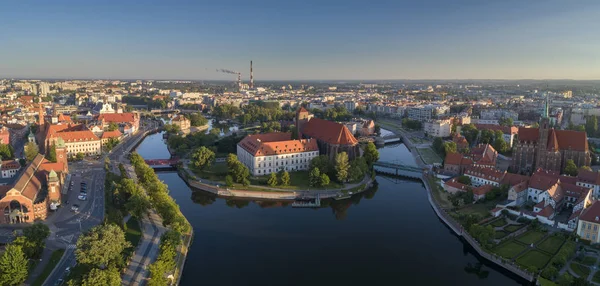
<point x="548" y="148"/>
<point x="332" y="137"/>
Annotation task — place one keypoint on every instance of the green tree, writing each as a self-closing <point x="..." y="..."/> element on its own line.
<point x="285" y="178"/>
<point x="438" y="145"/>
<point x="464" y="180"/>
<point x="229" y="181"/>
<point x="197" y="119"/>
<point x="565" y="280"/>
<point x="322" y="162"/>
<point x="31" y="150"/>
<point x="341" y="166"/>
<point x="571" y="168"/>
<point x="138" y="204"/>
<point x="506" y="121"/>
<point x="371" y="154"/>
<point x="470" y="133"/>
<point x="324" y="180"/>
<point x="294" y="131"/>
<point x="272" y="180"/>
<point x="51" y="156"/>
<point x="112" y="126"/>
<point x="550" y="272"/>
<point x="486" y="136"/>
<point x="203" y="157"/>
<point x="102" y="245"/>
<point x="354" y="173"/>
<point x="106" y="277"/>
<point x="314" y="177"/>
<point x="13" y="266"/>
<point x="7" y="151"/>
<point x="450" y="147"/>
<point x="79" y="156"/>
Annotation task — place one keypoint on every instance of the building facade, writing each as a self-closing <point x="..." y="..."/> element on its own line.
<point x="268" y="153"/>
<point x="438" y="128"/>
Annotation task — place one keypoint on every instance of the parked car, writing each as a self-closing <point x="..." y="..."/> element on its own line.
<point x="75" y="208"/>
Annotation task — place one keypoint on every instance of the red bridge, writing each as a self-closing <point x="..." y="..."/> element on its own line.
<point x="162" y="162"/>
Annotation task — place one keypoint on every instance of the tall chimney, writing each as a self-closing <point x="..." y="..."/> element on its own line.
<point x="251" y="76"/>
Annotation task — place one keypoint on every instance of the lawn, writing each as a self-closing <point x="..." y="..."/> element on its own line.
<point x="54" y="259"/>
<point x="482" y="209"/>
<point x="513" y="228"/>
<point x="499" y="222"/>
<point x="545" y="282"/>
<point x="580" y="269"/>
<point x="440" y="196"/>
<point x="298" y="181"/>
<point x="429" y="156"/>
<point x="551" y="244"/>
<point x="534" y="258"/>
<point x="588" y="260"/>
<point x="530" y="237"/>
<point x="133" y="234"/>
<point x="216" y="172"/>
<point x="596" y="277"/>
<point x="500" y="234"/>
<point x="509" y="249"/>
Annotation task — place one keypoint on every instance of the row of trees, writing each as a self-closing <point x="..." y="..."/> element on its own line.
<point x="283" y="180"/>
<point x="159" y="195"/>
<point x="14" y="262"/>
<point x="237" y="172"/>
<point x="165" y="262"/>
<point x="343" y="170"/>
<point x="197" y="119"/>
<point x="411" y="124"/>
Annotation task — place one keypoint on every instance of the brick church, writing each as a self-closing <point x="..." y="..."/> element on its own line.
<point x="548" y="148"/>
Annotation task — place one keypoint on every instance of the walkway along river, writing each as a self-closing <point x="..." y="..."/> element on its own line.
<point x="388" y="235"/>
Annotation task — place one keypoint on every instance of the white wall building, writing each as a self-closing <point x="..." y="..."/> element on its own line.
<point x="268" y="153"/>
<point x="438" y="128"/>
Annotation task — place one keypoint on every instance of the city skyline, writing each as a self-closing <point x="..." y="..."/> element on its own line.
<point x="301" y="41"/>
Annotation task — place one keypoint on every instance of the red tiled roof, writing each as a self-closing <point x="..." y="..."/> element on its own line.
<point x="74" y="136"/>
<point x="592" y="213"/>
<point x="482" y="190"/>
<point x="588" y="177"/>
<point x="484" y="154"/>
<point x="504" y="129"/>
<point x="543" y="180"/>
<point x="557" y="139"/>
<point x="513" y="179"/>
<point x="329" y="131"/>
<point x="64" y="118"/>
<point x="117" y="117"/>
<point x="111" y="134"/>
<point x="529" y="134"/>
<point x="276" y="143"/>
<point x="490" y="174"/>
<point x="552" y="141"/>
<point x="10" y="165"/>
<point x="547" y="211"/>
<point x="302" y="110"/>
<point x="456" y="184"/>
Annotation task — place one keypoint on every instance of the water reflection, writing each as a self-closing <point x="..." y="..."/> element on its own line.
<point x="477" y="270"/>
<point x="339" y="207"/>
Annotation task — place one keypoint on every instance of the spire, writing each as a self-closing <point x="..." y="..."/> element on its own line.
<point x="546" y="107"/>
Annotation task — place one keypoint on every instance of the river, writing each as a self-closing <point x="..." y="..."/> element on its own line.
<point x="388" y="235"/>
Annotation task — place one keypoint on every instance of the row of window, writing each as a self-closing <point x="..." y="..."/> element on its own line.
<point x="305" y="154"/>
<point x="268" y="171"/>
<point x="589" y="226"/>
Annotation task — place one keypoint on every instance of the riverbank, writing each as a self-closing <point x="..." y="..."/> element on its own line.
<point x="262" y="192"/>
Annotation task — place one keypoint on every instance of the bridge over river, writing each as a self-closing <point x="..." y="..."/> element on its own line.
<point x="398" y="169"/>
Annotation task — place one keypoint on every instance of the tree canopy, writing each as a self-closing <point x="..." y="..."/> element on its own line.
<point x="99" y="277"/>
<point x="101" y="246"/>
<point x="341" y="166"/>
<point x="203" y="157"/>
<point x="371" y="154"/>
<point x="571" y="168"/>
<point x="31" y="150"/>
<point x="13" y="266"/>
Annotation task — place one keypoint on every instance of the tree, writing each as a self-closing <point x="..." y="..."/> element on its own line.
<point x="571" y="168"/>
<point x="550" y="272"/>
<point x="285" y="178"/>
<point x="229" y="181"/>
<point x="79" y="156"/>
<point x="322" y="162"/>
<point x="314" y="177"/>
<point x="324" y="180"/>
<point x="450" y="147"/>
<point x="587" y="168"/>
<point x="102" y="245"/>
<point x="486" y="136"/>
<point x="7" y="151"/>
<point x="272" y="180"/>
<point x="438" y="145"/>
<point x="138" y="204"/>
<point x="464" y="180"/>
<point x="506" y="121"/>
<point x="371" y="154"/>
<point x="112" y="126"/>
<point x="106" y="277"/>
<point x="342" y="166"/>
<point x="377" y="129"/>
<point x="470" y="133"/>
<point x="294" y="131"/>
<point x="33" y="240"/>
<point x="13" y="266"/>
<point x="203" y="157"/>
<point x="51" y="156"/>
<point x="197" y="119"/>
<point x="565" y="280"/>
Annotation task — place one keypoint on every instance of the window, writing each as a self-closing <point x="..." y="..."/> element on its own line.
<point x="587" y="236"/>
<point x="595" y="227"/>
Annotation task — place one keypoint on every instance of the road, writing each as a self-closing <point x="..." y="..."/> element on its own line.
<point x="66" y="225"/>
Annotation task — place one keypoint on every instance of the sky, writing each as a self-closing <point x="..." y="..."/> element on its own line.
<point x="301" y="40"/>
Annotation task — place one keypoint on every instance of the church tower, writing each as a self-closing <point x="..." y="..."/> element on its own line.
<point x="544" y="130"/>
<point x="61" y="155"/>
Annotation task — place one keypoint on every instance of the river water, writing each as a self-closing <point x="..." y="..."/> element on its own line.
<point x="388" y="235"/>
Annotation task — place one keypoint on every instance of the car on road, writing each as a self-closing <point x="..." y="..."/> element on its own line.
<point x="75" y="208"/>
<point x="66" y="202"/>
<point x="82" y="197"/>
<point x="59" y="282"/>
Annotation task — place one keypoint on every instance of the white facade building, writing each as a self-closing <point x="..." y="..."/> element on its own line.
<point x="438" y="128"/>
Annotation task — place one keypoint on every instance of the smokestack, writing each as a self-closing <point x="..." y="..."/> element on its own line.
<point x="239" y="81"/>
<point x="251" y="76"/>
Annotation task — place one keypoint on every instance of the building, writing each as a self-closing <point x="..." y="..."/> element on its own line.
<point x="76" y="138"/>
<point x="368" y="128"/>
<point x="456" y="163"/>
<point x="426" y="112"/>
<point x="588" y="227"/>
<point x="9" y="168"/>
<point x="332" y="137"/>
<point x="129" y="123"/>
<point x="102" y="108"/>
<point x="438" y="128"/>
<point x="484" y="176"/>
<point x="268" y="153"/>
<point x="4" y="135"/>
<point x="484" y="155"/>
<point x="182" y="122"/>
<point x="36" y="191"/>
<point x="547" y="148"/>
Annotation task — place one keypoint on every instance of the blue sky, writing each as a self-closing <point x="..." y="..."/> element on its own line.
<point x="326" y="39"/>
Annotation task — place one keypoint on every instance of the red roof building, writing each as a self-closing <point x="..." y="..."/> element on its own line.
<point x="332" y="137"/>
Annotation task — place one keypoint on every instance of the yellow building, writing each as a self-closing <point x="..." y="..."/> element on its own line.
<point x="588" y="227"/>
